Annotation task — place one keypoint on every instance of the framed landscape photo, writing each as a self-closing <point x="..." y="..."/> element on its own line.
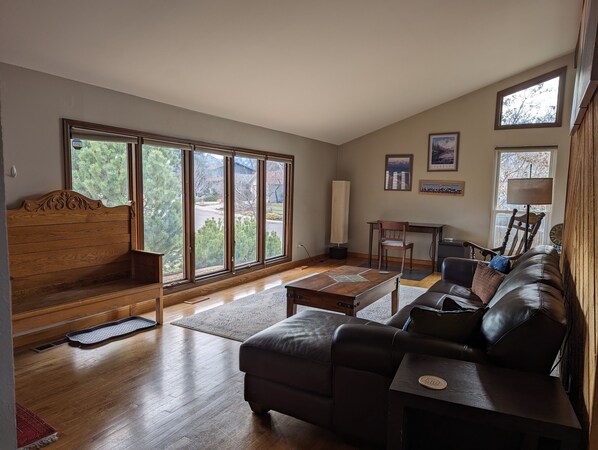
<point x="442" y="187"/>
<point x="398" y="172"/>
<point x="443" y="152"/>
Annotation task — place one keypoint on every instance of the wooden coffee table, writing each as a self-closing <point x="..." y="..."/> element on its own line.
<point x="330" y="290"/>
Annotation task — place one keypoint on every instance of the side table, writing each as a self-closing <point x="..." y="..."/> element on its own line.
<point x="533" y="406"/>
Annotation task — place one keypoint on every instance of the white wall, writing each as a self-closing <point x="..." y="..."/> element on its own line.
<point x="34" y="103"/>
<point x="7" y="386"/>
<point x="469" y="217"/>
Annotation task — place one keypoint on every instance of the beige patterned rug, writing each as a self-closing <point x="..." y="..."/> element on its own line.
<point x="243" y="318"/>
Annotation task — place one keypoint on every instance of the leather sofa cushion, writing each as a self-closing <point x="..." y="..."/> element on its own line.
<point x="296" y="352"/>
<point x="455" y="290"/>
<point x="546" y="250"/>
<point x="525" y="328"/>
<point x="538" y="269"/>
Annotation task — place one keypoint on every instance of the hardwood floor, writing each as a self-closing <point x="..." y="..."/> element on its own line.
<point x="167" y="388"/>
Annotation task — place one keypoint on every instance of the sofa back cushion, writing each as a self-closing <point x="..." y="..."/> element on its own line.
<point x="525" y="328"/>
<point x="538" y="250"/>
<point x="536" y="269"/>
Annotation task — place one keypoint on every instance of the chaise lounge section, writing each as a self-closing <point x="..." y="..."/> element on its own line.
<point x="335" y="371"/>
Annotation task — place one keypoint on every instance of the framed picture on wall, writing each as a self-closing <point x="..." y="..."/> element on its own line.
<point x="442" y="187"/>
<point x="443" y="152"/>
<point x="398" y="172"/>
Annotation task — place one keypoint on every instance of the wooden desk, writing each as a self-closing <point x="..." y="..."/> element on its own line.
<point x="435" y="229"/>
<point x="487" y="397"/>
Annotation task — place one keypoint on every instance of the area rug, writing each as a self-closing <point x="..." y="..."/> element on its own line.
<point x="413" y="275"/>
<point x="32" y="431"/>
<point x="243" y="318"/>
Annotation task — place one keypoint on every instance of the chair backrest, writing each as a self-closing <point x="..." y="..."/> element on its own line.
<point x="392" y="231"/>
<point x="514" y="245"/>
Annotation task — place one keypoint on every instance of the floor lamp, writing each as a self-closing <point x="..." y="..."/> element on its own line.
<point x="339" y="223"/>
<point x="529" y="191"/>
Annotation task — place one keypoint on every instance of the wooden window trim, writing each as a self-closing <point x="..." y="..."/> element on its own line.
<point x="561" y="73"/>
<point x="136" y="196"/>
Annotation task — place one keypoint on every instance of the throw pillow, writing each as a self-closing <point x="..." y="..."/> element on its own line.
<point x="485" y="282"/>
<point x="460" y="326"/>
<point x="501" y="264"/>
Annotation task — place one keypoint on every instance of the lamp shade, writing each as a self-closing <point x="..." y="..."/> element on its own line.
<point x="339" y="223"/>
<point x="529" y="191"/>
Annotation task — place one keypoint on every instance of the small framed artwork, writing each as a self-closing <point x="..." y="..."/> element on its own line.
<point x="398" y="172"/>
<point x="440" y="187"/>
<point x="443" y="152"/>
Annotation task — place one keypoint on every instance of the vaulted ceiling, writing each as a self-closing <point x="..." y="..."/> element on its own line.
<point x="330" y="70"/>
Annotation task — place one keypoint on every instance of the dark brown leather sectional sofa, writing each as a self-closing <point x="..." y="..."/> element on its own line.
<point x="335" y="371"/>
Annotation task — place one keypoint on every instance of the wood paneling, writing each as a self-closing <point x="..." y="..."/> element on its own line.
<point x="580" y="251"/>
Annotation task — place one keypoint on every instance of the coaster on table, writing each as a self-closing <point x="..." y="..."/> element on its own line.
<point x="432" y="382"/>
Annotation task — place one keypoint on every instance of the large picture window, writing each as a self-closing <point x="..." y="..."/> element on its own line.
<point x="211" y="210"/>
<point x="534" y="103"/>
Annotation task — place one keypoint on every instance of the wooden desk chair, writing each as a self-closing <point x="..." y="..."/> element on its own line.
<point x="515" y="249"/>
<point x="393" y="236"/>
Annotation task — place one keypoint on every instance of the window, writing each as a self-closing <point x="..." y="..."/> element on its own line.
<point x="275" y="208"/>
<point x="246" y="210"/>
<point x="163" y="209"/>
<point x="515" y="163"/>
<point x="209" y="183"/>
<point x="211" y="210"/>
<point x="99" y="166"/>
<point x="535" y="103"/>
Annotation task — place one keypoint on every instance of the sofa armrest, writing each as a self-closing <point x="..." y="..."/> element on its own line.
<point x="381" y="349"/>
<point x="459" y="270"/>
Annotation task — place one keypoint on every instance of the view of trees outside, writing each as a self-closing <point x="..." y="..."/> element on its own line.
<point x="163" y="207"/>
<point x="100" y="171"/>
<point x="245" y="210"/>
<point x="210" y="210"/>
<point x="275" y="208"/>
<point x="517" y="165"/>
<point x="536" y="104"/>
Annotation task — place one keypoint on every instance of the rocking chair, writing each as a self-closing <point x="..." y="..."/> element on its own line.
<point x="517" y="244"/>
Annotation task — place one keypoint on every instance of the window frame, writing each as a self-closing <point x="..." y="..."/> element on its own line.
<point x="560" y="72"/>
<point x="136" y="197"/>
<point x="553" y="149"/>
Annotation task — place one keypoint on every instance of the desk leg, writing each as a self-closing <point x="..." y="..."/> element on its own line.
<point x="370" y="246"/>
<point x="434" y="235"/>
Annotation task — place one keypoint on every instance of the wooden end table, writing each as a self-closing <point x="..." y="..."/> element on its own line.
<point x="327" y="290"/>
<point x="532" y="404"/>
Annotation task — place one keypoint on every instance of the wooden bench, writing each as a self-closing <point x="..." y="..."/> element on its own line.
<point x="72" y="257"/>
